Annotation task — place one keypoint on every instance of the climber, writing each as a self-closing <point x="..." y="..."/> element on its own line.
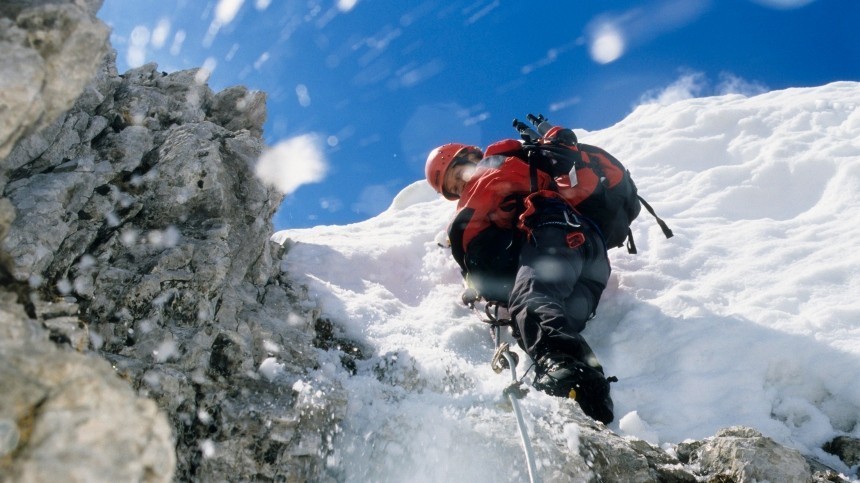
<point x="519" y="242"/>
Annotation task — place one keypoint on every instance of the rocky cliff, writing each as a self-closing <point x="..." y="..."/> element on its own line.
<point x="141" y="294"/>
<point x="141" y="291"/>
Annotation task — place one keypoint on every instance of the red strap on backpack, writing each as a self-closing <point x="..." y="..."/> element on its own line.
<point x="505" y="147"/>
<point x="575" y="239"/>
<point x="531" y="209"/>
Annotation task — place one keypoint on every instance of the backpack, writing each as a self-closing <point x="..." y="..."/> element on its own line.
<point x="589" y="178"/>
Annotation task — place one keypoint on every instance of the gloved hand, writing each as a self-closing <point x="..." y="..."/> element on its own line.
<point x="469" y="297"/>
<point x="554" y="159"/>
<point x="563" y="136"/>
<point x="540" y="207"/>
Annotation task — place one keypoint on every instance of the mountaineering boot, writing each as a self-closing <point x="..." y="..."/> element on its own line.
<point x="563" y="376"/>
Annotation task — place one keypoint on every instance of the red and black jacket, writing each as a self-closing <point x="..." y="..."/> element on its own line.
<point x="484" y="234"/>
<point x="484" y="237"/>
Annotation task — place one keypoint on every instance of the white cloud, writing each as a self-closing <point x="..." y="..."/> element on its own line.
<point x="303" y="95"/>
<point x="413" y="75"/>
<point x="607" y="44"/>
<point x="140" y="36"/>
<point x="138" y="42"/>
<point x="783" y="4"/>
<point x="552" y="55"/>
<point x="262" y="59"/>
<point x="732" y="84"/>
<point x="610" y="36"/>
<point x="292" y="163"/>
<point x="563" y="104"/>
<point x="346" y="5"/>
<point x="178" y="40"/>
<point x="232" y="52"/>
<point x="696" y="84"/>
<point x="160" y="33"/>
<point x="687" y="86"/>
<point x="226" y="10"/>
<point x="205" y="70"/>
<point x="483" y="11"/>
<point x="331" y="205"/>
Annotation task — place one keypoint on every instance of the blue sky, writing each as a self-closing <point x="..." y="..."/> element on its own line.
<point x="360" y="90"/>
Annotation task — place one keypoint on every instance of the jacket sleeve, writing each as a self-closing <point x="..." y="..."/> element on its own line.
<point x="485" y="240"/>
<point x="490" y="260"/>
<point x="492" y="200"/>
<point x="455" y="235"/>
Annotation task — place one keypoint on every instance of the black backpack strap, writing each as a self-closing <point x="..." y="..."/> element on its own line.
<point x="631" y="245"/>
<point x="538" y="163"/>
<point x="533" y="172"/>
<point x="663" y="226"/>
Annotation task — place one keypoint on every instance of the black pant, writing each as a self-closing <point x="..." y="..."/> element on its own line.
<point x="557" y="289"/>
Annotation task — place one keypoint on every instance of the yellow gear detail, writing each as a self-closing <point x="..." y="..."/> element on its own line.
<point x="572" y="393"/>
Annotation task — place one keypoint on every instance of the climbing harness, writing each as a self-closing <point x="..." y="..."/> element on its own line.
<point x="505" y="359"/>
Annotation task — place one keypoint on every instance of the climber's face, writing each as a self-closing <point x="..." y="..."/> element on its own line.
<point x="460" y="172"/>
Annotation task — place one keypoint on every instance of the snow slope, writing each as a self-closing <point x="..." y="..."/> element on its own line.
<point x="748" y="316"/>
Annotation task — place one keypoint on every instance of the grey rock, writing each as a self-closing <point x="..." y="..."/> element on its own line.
<point x="48" y="52"/>
<point x="59" y="409"/>
<point x="11" y="8"/>
<point x="238" y="108"/>
<point x="745" y="455"/>
<point x="139" y="213"/>
<point x="846" y="448"/>
<point x="61" y="412"/>
<point x="7" y="216"/>
<point x="226" y="357"/>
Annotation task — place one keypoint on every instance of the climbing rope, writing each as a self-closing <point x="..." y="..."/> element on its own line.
<point x="503" y="359"/>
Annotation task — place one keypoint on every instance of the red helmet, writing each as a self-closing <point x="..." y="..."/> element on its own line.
<point x="438" y="162"/>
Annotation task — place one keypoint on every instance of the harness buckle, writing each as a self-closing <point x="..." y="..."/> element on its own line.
<point x="574" y="223"/>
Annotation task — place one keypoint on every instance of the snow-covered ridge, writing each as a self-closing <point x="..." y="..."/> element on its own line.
<point x="748" y="316"/>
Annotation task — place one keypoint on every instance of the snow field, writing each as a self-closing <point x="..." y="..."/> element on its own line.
<point x="748" y="316"/>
